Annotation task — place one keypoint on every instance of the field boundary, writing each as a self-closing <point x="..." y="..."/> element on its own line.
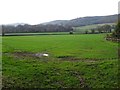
<point x="113" y="39"/>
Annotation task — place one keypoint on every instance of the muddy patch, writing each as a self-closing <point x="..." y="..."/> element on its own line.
<point x="27" y="55"/>
<point x="67" y="58"/>
<point x="77" y="59"/>
<point x="74" y="59"/>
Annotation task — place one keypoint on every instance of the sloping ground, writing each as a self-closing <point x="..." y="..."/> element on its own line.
<point x="74" y="61"/>
<point x="81" y="46"/>
<point x="88" y="28"/>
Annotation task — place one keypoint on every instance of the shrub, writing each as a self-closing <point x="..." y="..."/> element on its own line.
<point x="71" y="32"/>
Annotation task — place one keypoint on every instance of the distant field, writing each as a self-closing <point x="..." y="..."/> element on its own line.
<point x="74" y="61"/>
<point x="82" y="29"/>
<point x="29" y="34"/>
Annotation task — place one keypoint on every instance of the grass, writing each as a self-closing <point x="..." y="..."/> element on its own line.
<point x="84" y="46"/>
<point x="75" y="61"/>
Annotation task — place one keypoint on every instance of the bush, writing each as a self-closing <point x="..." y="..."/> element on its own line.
<point x="71" y="32"/>
<point x="86" y="32"/>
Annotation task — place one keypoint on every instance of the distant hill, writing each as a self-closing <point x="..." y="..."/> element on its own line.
<point x="57" y="22"/>
<point x="60" y="25"/>
<point x="83" y="21"/>
<point x="15" y="24"/>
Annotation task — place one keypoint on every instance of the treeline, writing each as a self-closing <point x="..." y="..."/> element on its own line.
<point x="34" y="28"/>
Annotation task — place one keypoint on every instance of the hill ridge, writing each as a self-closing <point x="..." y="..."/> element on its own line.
<point x="82" y="21"/>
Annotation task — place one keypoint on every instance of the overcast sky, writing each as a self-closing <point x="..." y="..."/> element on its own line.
<point x="39" y="11"/>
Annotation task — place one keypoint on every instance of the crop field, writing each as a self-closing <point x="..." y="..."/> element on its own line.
<point x="73" y="61"/>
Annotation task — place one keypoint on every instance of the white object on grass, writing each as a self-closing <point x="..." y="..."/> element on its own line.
<point x="46" y="55"/>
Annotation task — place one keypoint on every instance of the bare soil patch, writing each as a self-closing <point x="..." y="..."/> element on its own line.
<point x="74" y="59"/>
<point x="27" y="54"/>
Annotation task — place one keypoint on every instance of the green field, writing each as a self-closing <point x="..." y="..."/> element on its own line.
<point x="74" y="61"/>
<point x="82" y="29"/>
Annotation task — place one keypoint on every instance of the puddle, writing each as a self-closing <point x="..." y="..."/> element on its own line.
<point x="41" y="55"/>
